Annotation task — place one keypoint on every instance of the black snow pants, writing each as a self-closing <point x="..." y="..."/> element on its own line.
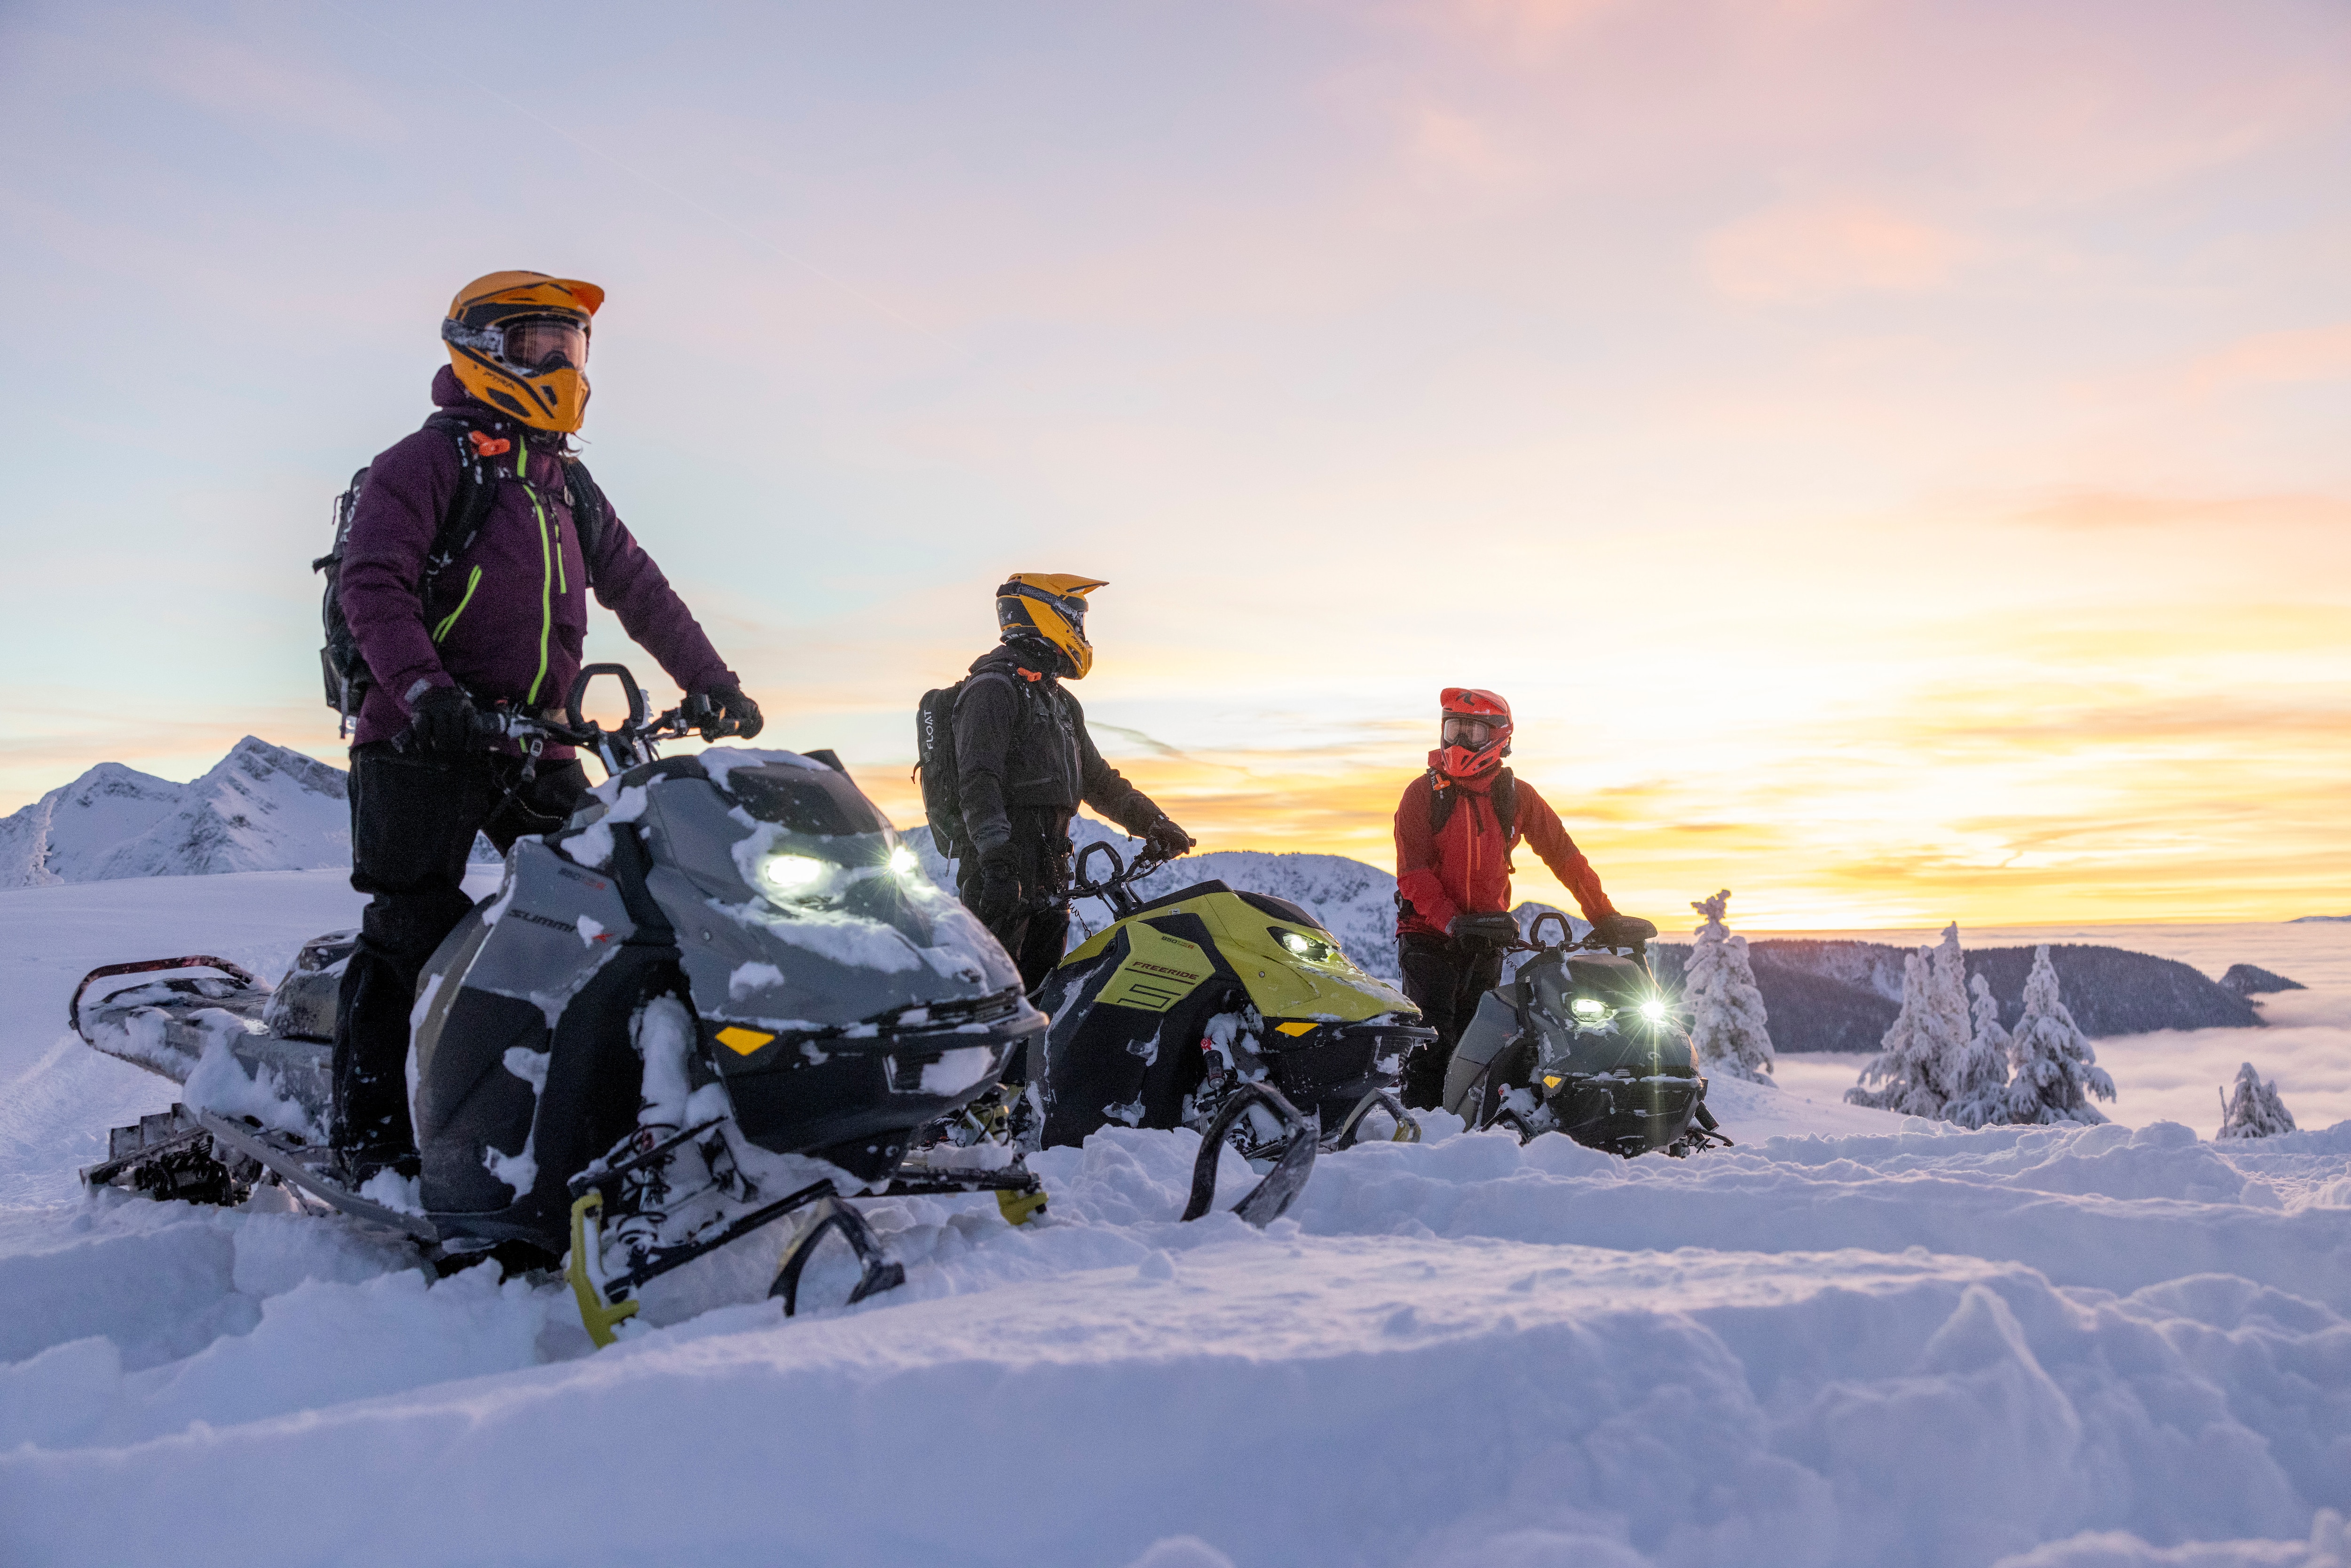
<point x="1444" y="979"/>
<point x="413" y="818"/>
<point x="1035" y="933"/>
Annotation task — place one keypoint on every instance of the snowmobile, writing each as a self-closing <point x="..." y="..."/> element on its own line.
<point x="720" y="994"/>
<point x="1232" y="1013"/>
<point x="1582" y="1041"/>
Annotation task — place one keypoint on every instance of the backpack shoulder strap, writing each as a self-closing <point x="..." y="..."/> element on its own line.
<point x="1505" y="796"/>
<point x="477" y="490"/>
<point x="588" y="511"/>
<point x="1442" y="798"/>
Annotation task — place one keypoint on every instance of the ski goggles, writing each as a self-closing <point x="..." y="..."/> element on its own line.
<point x="1071" y="607"/>
<point x="1470" y="732"/>
<point x="533" y="345"/>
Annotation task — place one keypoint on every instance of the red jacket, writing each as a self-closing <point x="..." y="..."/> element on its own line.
<point x="1466" y="868"/>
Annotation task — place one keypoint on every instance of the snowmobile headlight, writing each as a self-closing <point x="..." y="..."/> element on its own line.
<point x="794" y="876"/>
<point x="905" y="860"/>
<point x="1654" y="1009"/>
<point x="1305" y="947"/>
<point x="1591" y="1009"/>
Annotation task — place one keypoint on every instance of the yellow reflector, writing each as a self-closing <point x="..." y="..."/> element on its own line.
<point x="1551" y="1080"/>
<point x="742" y="1041"/>
<point x="1295" y="1027"/>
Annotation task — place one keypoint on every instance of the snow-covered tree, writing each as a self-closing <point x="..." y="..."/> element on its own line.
<point x="1728" y="1027"/>
<point x="1979" y="1081"/>
<point x="2056" y="1070"/>
<point x="2254" y="1111"/>
<point x="1903" y="1068"/>
<point x="1929" y="1064"/>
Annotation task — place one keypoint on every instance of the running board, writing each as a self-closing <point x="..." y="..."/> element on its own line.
<point x="296" y="1164"/>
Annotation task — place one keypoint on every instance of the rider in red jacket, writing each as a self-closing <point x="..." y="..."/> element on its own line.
<point x="1455" y="830"/>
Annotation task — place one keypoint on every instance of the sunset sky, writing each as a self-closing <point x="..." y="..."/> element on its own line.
<point x="1895" y="459"/>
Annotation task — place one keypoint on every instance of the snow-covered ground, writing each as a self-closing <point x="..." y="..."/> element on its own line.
<point x="1853" y="1340"/>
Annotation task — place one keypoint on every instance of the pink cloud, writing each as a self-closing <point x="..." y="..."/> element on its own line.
<point x="1815" y="250"/>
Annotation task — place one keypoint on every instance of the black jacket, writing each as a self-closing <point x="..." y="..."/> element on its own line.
<point x="1024" y="761"/>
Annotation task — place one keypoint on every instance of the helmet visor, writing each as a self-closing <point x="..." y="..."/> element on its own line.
<point x="538" y="344"/>
<point x="1470" y="732"/>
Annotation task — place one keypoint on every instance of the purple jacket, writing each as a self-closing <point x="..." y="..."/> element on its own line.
<point x="508" y="617"/>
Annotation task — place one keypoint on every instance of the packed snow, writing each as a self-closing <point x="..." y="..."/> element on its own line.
<point x="1856" y="1338"/>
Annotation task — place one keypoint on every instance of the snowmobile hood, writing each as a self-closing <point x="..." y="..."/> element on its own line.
<point x="1290" y="966"/>
<point x="795" y="907"/>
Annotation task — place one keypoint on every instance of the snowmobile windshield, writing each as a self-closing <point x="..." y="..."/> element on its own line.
<point x="542" y="343"/>
<point x="1470" y="732"/>
<point x="821" y="804"/>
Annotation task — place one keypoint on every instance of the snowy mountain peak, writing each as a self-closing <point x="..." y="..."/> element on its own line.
<point x="260" y="808"/>
<point x="62" y="836"/>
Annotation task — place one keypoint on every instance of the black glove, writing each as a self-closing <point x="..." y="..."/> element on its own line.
<point x="1622" y="931"/>
<point x="1494" y="930"/>
<point x="713" y="707"/>
<point x="443" y="719"/>
<point x="1165" y="841"/>
<point x="999" y="886"/>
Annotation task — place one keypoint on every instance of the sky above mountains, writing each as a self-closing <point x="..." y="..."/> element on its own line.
<point x="1890" y="455"/>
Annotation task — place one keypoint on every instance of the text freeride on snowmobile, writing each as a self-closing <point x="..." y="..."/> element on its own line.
<point x="1455" y="830"/>
<point x="504" y="619"/>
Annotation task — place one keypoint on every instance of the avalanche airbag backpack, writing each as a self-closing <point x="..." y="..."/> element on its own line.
<point x="340" y="663"/>
<point x="935" y="762"/>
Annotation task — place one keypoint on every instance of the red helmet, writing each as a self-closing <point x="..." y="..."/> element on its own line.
<point x="1475" y="733"/>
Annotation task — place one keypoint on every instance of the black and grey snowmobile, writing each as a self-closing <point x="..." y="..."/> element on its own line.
<point x="722" y="993"/>
<point x="1583" y="1040"/>
<point x="1230" y="1013"/>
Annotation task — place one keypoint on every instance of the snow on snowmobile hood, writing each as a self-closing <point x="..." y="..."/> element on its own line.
<point x="791" y="896"/>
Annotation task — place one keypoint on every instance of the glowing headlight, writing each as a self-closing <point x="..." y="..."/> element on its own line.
<point x="794" y="876"/>
<point x="1591" y="1009"/>
<point x="1303" y="946"/>
<point x="1654" y="1009"/>
<point x="904" y="861"/>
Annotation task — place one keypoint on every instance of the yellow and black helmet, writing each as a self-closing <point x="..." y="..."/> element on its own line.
<point x="518" y="341"/>
<point x="1049" y="608"/>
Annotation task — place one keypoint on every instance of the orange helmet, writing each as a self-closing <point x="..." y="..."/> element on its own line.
<point x="518" y="342"/>
<point x="1047" y="610"/>
<point x="1474" y="734"/>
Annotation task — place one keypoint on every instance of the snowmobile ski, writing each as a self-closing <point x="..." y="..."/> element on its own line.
<point x="1300" y="1140"/>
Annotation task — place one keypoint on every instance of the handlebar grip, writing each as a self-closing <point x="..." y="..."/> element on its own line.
<point x="571" y="704"/>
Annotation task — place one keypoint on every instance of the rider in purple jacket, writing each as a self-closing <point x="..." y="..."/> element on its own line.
<point x="504" y="620"/>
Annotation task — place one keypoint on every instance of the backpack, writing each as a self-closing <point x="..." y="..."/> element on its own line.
<point x="935" y="761"/>
<point x="342" y="666"/>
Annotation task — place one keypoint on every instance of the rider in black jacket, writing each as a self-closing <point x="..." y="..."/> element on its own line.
<point x="1023" y="764"/>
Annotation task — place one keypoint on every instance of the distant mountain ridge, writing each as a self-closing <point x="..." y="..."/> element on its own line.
<point x="260" y="808"/>
<point x="1821" y="995"/>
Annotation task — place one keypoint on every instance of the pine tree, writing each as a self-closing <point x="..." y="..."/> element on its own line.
<point x="1903" y="1067"/>
<point x="1979" y="1084"/>
<point x="2056" y="1070"/>
<point x="1728" y="1030"/>
<point x="2254" y="1111"/>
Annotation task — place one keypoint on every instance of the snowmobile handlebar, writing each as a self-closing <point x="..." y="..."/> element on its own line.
<point x="1620" y="933"/>
<point x="1113" y="889"/>
<point x="630" y="743"/>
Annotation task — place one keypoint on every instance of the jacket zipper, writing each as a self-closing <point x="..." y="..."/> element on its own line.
<point x="545" y="576"/>
<point x="473" y="581"/>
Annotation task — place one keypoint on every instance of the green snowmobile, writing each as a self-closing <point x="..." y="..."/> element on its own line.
<point x="1230" y="1013"/>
